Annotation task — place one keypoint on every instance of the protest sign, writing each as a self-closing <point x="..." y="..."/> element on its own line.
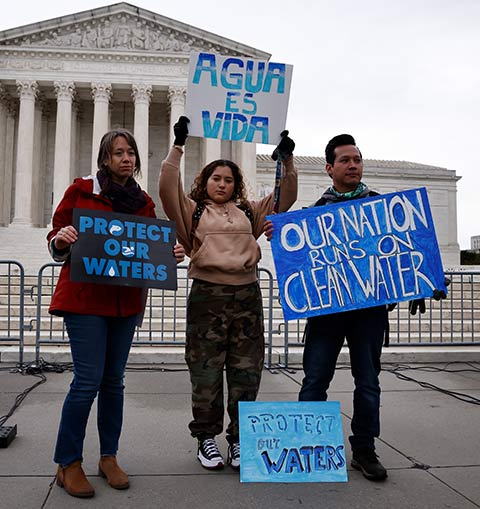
<point x="237" y="98"/>
<point x="291" y="442"/>
<point x="123" y="249"/>
<point x="356" y="254"/>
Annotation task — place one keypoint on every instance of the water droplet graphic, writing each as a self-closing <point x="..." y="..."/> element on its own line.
<point x="111" y="272"/>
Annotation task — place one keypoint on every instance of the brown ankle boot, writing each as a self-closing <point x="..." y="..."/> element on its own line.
<point x="116" y="477"/>
<point x="72" y="479"/>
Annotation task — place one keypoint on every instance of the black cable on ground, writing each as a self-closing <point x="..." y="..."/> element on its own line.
<point x="466" y="398"/>
<point x="24" y="370"/>
<point x="397" y="370"/>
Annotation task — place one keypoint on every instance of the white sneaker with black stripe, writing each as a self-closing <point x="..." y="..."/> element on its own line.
<point x="209" y="455"/>
<point x="233" y="458"/>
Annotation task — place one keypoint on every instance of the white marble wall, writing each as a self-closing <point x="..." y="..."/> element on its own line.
<point x="383" y="177"/>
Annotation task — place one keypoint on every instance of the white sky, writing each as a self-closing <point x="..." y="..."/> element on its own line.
<point x="403" y="77"/>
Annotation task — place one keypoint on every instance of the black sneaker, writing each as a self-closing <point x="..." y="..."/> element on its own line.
<point x="367" y="461"/>
<point x="233" y="458"/>
<point x="209" y="455"/>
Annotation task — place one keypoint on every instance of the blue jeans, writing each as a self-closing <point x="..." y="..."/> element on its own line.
<point x="364" y="331"/>
<point x="100" y="346"/>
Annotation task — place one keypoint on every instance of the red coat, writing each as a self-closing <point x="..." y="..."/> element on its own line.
<point x="91" y="298"/>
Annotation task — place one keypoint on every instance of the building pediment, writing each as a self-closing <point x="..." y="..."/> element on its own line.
<point x="121" y="28"/>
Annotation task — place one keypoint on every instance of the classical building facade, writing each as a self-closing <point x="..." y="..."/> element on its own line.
<point x="64" y="82"/>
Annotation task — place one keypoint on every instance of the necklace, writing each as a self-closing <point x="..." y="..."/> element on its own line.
<point x="226" y="214"/>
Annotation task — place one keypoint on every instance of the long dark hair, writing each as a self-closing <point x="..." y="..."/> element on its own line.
<point x="106" y="148"/>
<point x="198" y="192"/>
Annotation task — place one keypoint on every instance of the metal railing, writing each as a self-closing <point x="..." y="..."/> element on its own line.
<point x="453" y="321"/>
<point x="12" y="279"/>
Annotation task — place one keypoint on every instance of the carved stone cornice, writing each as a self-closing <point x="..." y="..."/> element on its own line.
<point x="176" y="96"/>
<point x="64" y="90"/>
<point x="142" y="93"/>
<point x="80" y="65"/>
<point x="101" y="91"/>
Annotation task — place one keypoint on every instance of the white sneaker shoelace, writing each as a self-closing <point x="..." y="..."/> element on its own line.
<point x="211" y="449"/>
<point x="235" y="451"/>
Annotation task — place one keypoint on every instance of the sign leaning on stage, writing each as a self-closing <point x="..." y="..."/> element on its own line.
<point x="356" y="254"/>
<point x="291" y="441"/>
<point x="237" y="98"/>
<point x="123" y="249"/>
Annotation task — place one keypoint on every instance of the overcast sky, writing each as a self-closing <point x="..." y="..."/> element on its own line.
<point x="402" y="76"/>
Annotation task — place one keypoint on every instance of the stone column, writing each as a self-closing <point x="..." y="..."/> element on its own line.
<point x="211" y="149"/>
<point x="142" y="95"/>
<point x="245" y="155"/>
<point x="101" y="93"/>
<point x="3" y="132"/>
<point x="176" y="99"/>
<point x="12" y="109"/>
<point x="44" y="205"/>
<point x="79" y="111"/>
<point x="27" y="91"/>
<point x="38" y="176"/>
<point x="73" y="141"/>
<point x="64" y="90"/>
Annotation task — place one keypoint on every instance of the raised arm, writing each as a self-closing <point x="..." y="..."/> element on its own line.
<point x="177" y="206"/>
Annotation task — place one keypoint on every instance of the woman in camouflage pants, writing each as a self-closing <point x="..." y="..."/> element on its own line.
<point x="218" y="227"/>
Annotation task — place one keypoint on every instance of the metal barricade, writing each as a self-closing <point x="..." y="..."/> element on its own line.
<point x="12" y="294"/>
<point x="453" y="321"/>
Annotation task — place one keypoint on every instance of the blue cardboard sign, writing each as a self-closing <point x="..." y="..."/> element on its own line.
<point x="356" y="254"/>
<point x="291" y="441"/>
<point x="123" y="249"/>
<point x="237" y="98"/>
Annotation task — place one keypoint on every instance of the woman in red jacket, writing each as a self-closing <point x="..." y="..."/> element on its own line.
<point x="100" y="319"/>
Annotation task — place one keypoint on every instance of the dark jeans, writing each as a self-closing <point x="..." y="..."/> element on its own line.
<point x="100" y="347"/>
<point x="364" y="331"/>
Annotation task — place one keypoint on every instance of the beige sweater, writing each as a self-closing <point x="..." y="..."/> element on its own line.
<point x="224" y="249"/>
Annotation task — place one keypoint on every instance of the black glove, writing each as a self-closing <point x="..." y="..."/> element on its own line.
<point x="180" y="130"/>
<point x="284" y="148"/>
<point x="440" y="294"/>
<point x="415" y="304"/>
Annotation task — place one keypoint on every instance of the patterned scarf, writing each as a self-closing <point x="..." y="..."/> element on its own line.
<point x="332" y="195"/>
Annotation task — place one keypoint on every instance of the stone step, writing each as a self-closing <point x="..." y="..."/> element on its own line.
<point x="413" y="354"/>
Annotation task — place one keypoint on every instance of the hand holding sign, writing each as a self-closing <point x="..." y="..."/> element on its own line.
<point x="180" y="130"/>
<point x="415" y="304"/>
<point x="284" y="148"/>
<point x="65" y="237"/>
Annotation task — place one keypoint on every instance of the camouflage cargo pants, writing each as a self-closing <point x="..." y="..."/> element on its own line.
<point x="224" y="329"/>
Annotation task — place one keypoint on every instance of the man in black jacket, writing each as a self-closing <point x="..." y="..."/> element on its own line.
<point x="364" y="329"/>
